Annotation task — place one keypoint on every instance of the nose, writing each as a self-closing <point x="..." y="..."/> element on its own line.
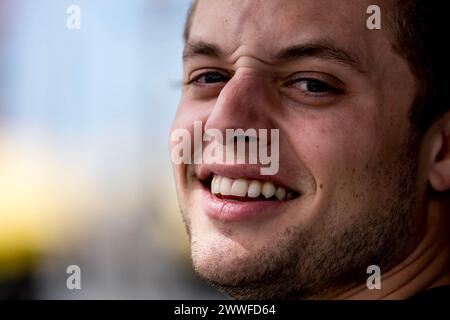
<point x="246" y="102"/>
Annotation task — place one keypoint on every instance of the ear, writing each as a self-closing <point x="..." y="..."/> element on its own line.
<point x="439" y="176"/>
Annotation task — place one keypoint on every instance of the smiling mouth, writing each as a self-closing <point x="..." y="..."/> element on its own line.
<point x="244" y="190"/>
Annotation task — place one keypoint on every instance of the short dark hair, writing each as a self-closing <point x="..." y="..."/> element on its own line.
<point x="419" y="28"/>
<point x="190" y="17"/>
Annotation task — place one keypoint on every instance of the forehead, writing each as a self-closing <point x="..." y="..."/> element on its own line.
<point x="267" y="26"/>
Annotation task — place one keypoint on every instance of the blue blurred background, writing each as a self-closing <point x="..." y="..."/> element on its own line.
<point x="85" y="174"/>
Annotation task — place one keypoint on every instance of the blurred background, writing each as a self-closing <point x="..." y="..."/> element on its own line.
<point x="85" y="174"/>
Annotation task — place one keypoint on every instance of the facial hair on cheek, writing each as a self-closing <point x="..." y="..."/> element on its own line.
<point x="299" y="263"/>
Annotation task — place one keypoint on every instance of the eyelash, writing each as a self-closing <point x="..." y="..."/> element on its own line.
<point x="330" y="89"/>
<point x="195" y="80"/>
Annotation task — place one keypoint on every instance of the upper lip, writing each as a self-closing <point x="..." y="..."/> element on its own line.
<point x="244" y="171"/>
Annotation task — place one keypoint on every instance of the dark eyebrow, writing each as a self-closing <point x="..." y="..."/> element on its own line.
<point x="193" y="49"/>
<point x="322" y="49"/>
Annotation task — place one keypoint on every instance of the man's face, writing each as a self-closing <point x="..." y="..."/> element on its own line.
<point x="340" y="97"/>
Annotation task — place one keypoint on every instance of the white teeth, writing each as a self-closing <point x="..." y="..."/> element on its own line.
<point x="268" y="190"/>
<point x="215" y="184"/>
<point x="254" y="189"/>
<point x="239" y="188"/>
<point x="280" y="193"/>
<point x="225" y="186"/>
<point x="251" y="189"/>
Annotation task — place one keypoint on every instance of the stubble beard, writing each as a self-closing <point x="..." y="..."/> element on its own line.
<point x="320" y="261"/>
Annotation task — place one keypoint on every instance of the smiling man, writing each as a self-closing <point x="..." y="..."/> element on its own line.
<point x="364" y="148"/>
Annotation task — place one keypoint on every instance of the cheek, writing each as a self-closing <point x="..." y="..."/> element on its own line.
<point x="189" y="111"/>
<point x="183" y="120"/>
<point x="187" y="114"/>
<point x="334" y="147"/>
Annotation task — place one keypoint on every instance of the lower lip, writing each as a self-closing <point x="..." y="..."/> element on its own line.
<point x="233" y="211"/>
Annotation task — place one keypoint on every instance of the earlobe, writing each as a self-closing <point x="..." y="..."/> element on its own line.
<point x="440" y="172"/>
<point x="440" y="176"/>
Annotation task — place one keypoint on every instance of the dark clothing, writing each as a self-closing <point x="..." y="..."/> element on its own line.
<point x="438" y="293"/>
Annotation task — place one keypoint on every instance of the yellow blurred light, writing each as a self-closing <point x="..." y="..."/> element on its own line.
<point x="38" y="193"/>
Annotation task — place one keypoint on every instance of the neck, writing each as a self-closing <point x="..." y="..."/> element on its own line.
<point x="426" y="267"/>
